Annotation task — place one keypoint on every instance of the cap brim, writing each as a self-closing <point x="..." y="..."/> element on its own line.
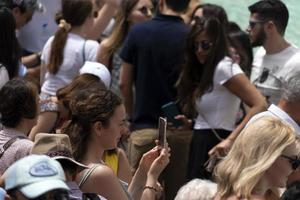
<point x="39" y="188"/>
<point x="79" y="165"/>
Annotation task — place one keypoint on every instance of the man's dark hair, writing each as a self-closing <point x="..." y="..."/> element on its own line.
<point x="292" y="192"/>
<point x="178" y="5"/>
<point x="274" y="10"/>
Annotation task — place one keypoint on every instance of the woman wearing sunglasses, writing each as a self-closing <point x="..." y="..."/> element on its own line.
<point x="262" y="158"/>
<point x="210" y="89"/>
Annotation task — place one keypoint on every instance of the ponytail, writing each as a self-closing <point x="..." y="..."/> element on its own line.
<point x="57" y="47"/>
<point x="78" y="132"/>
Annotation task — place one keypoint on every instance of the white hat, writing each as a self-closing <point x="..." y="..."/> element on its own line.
<point x="35" y="175"/>
<point x="97" y="69"/>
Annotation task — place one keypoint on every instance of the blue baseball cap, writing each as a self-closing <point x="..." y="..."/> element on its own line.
<point x="35" y="175"/>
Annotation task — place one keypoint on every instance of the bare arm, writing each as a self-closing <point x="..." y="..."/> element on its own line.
<point x="43" y="73"/>
<point x="105" y="14"/>
<point x="140" y="177"/>
<point x="152" y="189"/>
<point x="46" y="121"/>
<point x="31" y="60"/>
<point x="242" y="88"/>
<point x="101" y="58"/>
<point x="126" y="86"/>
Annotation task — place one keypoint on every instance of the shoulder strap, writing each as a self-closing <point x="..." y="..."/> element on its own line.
<point x="86" y="175"/>
<point x="83" y="52"/>
<point x="9" y="143"/>
<point x="212" y="129"/>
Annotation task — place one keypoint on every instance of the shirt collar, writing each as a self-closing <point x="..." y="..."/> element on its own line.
<point x="160" y="16"/>
<point x="275" y="110"/>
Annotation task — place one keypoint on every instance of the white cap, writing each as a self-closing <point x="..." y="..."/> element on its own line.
<point x="35" y="175"/>
<point x="97" y="69"/>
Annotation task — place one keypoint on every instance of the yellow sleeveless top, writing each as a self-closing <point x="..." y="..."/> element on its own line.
<point x="111" y="159"/>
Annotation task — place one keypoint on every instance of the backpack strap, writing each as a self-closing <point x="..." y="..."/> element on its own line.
<point x="87" y="174"/>
<point x="83" y="52"/>
<point x="9" y="143"/>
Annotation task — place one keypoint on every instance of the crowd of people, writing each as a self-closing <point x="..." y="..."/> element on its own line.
<point x="84" y="82"/>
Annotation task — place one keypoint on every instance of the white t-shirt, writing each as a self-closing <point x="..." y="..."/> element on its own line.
<point x="76" y="49"/>
<point x="42" y="26"/>
<point x="268" y="72"/>
<point x="292" y="67"/>
<point x="275" y="111"/>
<point x="219" y="107"/>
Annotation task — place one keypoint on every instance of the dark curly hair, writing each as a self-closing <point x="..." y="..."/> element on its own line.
<point x="87" y="107"/>
<point x="18" y="99"/>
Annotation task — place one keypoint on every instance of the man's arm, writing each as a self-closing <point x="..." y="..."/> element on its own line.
<point x="126" y="86"/>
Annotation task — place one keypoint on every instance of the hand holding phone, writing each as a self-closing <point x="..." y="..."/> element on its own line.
<point x="162" y="132"/>
<point x="170" y="110"/>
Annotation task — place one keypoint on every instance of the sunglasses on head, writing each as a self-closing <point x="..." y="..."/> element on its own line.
<point x="204" y="45"/>
<point x="295" y="162"/>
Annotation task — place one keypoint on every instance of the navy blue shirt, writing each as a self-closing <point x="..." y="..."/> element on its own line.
<point x="156" y="51"/>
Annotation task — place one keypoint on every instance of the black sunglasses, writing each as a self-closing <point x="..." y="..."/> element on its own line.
<point x="295" y="162"/>
<point x="204" y="45"/>
<point x="252" y="24"/>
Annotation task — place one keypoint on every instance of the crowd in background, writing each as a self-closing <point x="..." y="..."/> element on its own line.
<point x="84" y="82"/>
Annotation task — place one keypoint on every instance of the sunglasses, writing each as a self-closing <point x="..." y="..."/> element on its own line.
<point x="145" y="10"/>
<point x="204" y="45"/>
<point x="252" y="24"/>
<point x="295" y="162"/>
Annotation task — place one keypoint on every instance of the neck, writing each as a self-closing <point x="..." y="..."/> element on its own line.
<point x="163" y="8"/>
<point x="292" y="109"/>
<point x="260" y="189"/>
<point x="94" y="152"/>
<point x="79" y="30"/>
<point x="22" y="128"/>
<point x="275" y="44"/>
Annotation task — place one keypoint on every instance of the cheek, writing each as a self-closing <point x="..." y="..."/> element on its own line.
<point x="278" y="173"/>
<point x="137" y="17"/>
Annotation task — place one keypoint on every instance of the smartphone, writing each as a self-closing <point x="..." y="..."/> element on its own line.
<point x="162" y="131"/>
<point x="170" y="110"/>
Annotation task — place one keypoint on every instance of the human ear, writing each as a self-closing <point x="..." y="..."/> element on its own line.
<point x="97" y="128"/>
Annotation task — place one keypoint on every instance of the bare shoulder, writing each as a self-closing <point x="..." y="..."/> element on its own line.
<point x="102" y="171"/>
<point x="104" y="44"/>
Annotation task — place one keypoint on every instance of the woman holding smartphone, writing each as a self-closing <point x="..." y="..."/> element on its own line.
<point x="210" y="88"/>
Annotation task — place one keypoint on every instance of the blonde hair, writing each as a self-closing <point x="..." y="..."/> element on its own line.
<point x="254" y="151"/>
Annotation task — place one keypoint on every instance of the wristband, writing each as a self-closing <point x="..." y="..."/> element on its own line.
<point x="151" y="188"/>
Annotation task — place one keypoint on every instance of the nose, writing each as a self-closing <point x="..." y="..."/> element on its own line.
<point x="149" y="13"/>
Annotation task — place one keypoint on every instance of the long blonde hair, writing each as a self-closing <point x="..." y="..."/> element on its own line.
<point x="254" y="151"/>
